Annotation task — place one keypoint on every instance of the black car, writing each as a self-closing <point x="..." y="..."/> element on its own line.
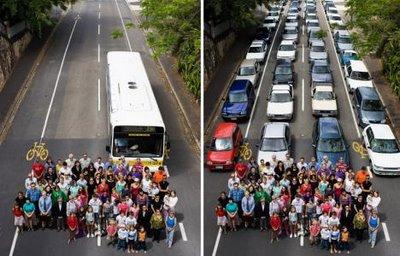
<point x="283" y="72"/>
<point x="263" y="34"/>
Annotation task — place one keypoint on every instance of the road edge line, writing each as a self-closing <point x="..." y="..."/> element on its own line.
<point x="14" y="242"/>
<point x="214" y="253"/>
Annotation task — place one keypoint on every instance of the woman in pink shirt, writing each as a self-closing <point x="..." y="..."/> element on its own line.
<point x="315" y="228"/>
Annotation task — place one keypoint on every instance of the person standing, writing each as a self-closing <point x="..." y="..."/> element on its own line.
<point x="72" y="223"/>
<point x="344" y="240"/>
<point x="275" y="223"/>
<point x="170" y="225"/>
<point x="325" y="237"/>
<point x="359" y="223"/>
<point x="45" y="206"/>
<point x="373" y="226"/>
<point x="33" y="193"/>
<point x="248" y="209"/>
<point x="132" y="238"/>
<point x="334" y="239"/>
<point x="122" y="237"/>
<point x="142" y="235"/>
<point x="232" y="212"/>
<point x="314" y="228"/>
<point x="60" y="213"/>
<point x="221" y="217"/>
<point x="89" y="216"/>
<point x="29" y="212"/>
<point x="262" y="214"/>
<point x="157" y="223"/>
<point x="111" y="232"/>
<point x="18" y="217"/>
<point x="293" y="222"/>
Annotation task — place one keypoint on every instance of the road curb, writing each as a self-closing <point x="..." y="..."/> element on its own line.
<point x="180" y="104"/>
<point x="26" y="85"/>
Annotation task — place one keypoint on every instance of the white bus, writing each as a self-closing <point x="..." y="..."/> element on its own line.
<point x="135" y="122"/>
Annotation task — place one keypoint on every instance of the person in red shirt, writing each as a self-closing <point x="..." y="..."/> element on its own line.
<point x="221" y="217"/>
<point x="38" y="170"/>
<point x="305" y="188"/>
<point x="326" y="207"/>
<point x="18" y="217"/>
<point x="72" y="223"/>
<point x="159" y="175"/>
<point x="276" y="224"/>
<point x="241" y="169"/>
<point x="103" y="190"/>
<point x="123" y="207"/>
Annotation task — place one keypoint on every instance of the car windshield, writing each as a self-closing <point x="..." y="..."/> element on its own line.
<point x="318" y="49"/>
<point x="273" y="144"/>
<point x="256" y="49"/>
<point x="372" y="105"/>
<point x="313" y="35"/>
<point x="363" y="76"/>
<point x="384" y="146"/>
<point x="269" y="21"/>
<point x="331" y="145"/>
<point x="290" y="31"/>
<point x="247" y="71"/>
<point x="334" y="17"/>
<point x="291" y="20"/>
<point x="350" y="55"/>
<point x="236" y="97"/>
<point x="344" y="40"/>
<point x="313" y="24"/>
<point x="280" y="97"/>
<point x="287" y="47"/>
<point x="221" y="144"/>
<point x="283" y="70"/>
<point x="320" y="69"/>
<point x="323" y="95"/>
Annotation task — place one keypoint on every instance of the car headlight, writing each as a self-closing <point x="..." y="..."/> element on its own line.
<point x="209" y="163"/>
<point x="383" y="121"/>
<point x="365" y="120"/>
<point x="228" y="162"/>
<point x="377" y="167"/>
<point x="243" y="112"/>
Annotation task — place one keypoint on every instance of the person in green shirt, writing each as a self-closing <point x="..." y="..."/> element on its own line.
<point x="29" y="212"/>
<point x="232" y="212"/>
<point x="57" y="192"/>
<point x="261" y="193"/>
<point x="157" y="224"/>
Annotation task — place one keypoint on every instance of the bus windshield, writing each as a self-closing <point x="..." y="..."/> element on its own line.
<point x="138" y="141"/>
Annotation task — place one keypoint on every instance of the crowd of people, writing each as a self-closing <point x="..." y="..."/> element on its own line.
<point x="330" y="203"/>
<point x="125" y="202"/>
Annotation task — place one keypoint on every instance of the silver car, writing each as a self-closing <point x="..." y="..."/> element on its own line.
<point x="249" y="70"/>
<point x="290" y="33"/>
<point x="317" y="51"/>
<point x="312" y="25"/>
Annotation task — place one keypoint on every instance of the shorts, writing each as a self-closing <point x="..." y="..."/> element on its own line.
<point x="19" y="221"/>
<point x="131" y="243"/>
<point x="221" y="221"/>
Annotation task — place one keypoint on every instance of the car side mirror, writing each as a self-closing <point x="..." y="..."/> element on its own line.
<point x="357" y="105"/>
<point x="313" y="145"/>
<point x="108" y="149"/>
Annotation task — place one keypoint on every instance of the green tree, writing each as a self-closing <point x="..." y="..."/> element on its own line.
<point x="174" y="27"/>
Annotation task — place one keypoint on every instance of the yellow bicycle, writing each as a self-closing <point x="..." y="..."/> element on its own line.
<point x="358" y="148"/>
<point x="38" y="150"/>
<point x="245" y="151"/>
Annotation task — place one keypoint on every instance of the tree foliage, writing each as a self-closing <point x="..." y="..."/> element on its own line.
<point x="377" y="26"/>
<point x="36" y="13"/>
<point x="174" y="27"/>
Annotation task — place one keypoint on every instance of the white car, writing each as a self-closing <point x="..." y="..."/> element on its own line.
<point x="383" y="149"/>
<point x="292" y="21"/>
<point x="318" y="51"/>
<point x="275" y="140"/>
<point x="287" y="50"/>
<point x="249" y="70"/>
<point x="312" y="25"/>
<point x="357" y="75"/>
<point x="270" y="22"/>
<point x="335" y="19"/>
<point x="311" y="16"/>
<point x="323" y="101"/>
<point x="257" y="51"/>
<point x="332" y="10"/>
<point x="280" y="102"/>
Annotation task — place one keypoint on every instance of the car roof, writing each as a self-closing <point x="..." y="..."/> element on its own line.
<point x="382" y="131"/>
<point x="287" y="42"/>
<point x="320" y="63"/>
<point x="248" y="63"/>
<point x="224" y="129"/>
<point x="358" y="65"/>
<point x="281" y="87"/>
<point x="283" y="62"/>
<point x="274" y="130"/>
<point x="317" y="43"/>
<point x="329" y="128"/>
<point x="239" y="85"/>
<point x="257" y="43"/>
<point x="324" y="88"/>
<point x="368" y="92"/>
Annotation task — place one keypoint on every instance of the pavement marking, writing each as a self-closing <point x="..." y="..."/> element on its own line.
<point x="98" y="52"/>
<point x="262" y="78"/>
<point x="214" y="253"/>
<point x="99" y="15"/>
<point x="302" y="53"/>
<point x="360" y="149"/>
<point x="341" y="74"/>
<point x="58" y="79"/>
<point x="99" y="5"/>
<point x="386" y="232"/>
<point x="370" y="172"/>
<point x="302" y="94"/>
<point x="98" y="94"/>
<point x="123" y="26"/>
<point x="14" y="242"/>
<point x="303" y="30"/>
<point x="302" y="235"/>
<point x="98" y="29"/>
<point x="183" y="232"/>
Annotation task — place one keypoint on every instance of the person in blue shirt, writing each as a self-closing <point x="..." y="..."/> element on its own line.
<point x="236" y="194"/>
<point x="248" y="205"/>
<point x="45" y="205"/>
<point x="170" y="225"/>
<point x="33" y="193"/>
<point x="373" y="225"/>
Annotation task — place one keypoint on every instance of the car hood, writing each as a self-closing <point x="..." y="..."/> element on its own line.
<point x="333" y="157"/>
<point x="251" y="78"/>
<point x="255" y="55"/>
<point x="385" y="160"/>
<point x="358" y="83"/>
<point x="280" y="108"/>
<point x="283" y="79"/>
<point x="321" y="77"/>
<point x="267" y="155"/>
<point x="318" y="55"/>
<point x="234" y="108"/>
<point x="373" y="116"/>
<point x="220" y="156"/>
<point x="324" y="105"/>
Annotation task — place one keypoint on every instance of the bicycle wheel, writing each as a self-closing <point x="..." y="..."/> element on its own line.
<point x="44" y="154"/>
<point x="247" y="154"/>
<point x="30" y="154"/>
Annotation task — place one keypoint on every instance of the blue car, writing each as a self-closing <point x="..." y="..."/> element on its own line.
<point x="346" y="56"/>
<point x="240" y="101"/>
<point x="328" y="139"/>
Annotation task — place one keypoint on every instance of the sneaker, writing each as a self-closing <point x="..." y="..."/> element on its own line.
<point x="291" y="236"/>
<point x="348" y="252"/>
<point x="372" y="246"/>
<point x="92" y="235"/>
<point x="272" y="240"/>
<point x="295" y="235"/>
<point x="88" y="235"/>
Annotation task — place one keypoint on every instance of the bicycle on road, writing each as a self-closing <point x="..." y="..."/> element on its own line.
<point x="38" y="150"/>
<point x="245" y="151"/>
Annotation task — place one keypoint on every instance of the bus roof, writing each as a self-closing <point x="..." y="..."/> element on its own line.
<point x="130" y="93"/>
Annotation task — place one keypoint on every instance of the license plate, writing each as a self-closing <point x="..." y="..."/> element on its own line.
<point x="219" y="167"/>
<point x="234" y="118"/>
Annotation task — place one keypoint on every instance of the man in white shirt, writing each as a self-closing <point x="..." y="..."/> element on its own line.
<point x="98" y="164"/>
<point x="121" y="219"/>
<point x="29" y="181"/>
<point x="274" y="161"/>
<point x="70" y="161"/>
<point x="324" y="219"/>
<point x="232" y="180"/>
<point x="268" y="170"/>
<point x="302" y="163"/>
<point x="85" y="161"/>
<point x="298" y="203"/>
<point x="288" y="161"/>
<point x="65" y="170"/>
<point x="95" y="202"/>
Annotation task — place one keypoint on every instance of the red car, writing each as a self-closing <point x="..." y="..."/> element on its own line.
<point x="224" y="147"/>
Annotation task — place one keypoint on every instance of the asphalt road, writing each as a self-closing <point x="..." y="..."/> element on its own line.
<point x="252" y="242"/>
<point x="77" y="122"/>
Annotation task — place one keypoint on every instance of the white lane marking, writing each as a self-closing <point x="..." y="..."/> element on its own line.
<point x="98" y="94"/>
<point x="302" y="53"/>
<point x="99" y="5"/>
<point x="98" y="234"/>
<point x="58" y="79"/>
<point x="369" y="171"/>
<point x="123" y="25"/>
<point x="302" y="94"/>
<point x="98" y="52"/>
<point x="99" y="15"/>
<point x="214" y="253"/>
<point x="183" y="232"/>
<point x="302" y="235"/>
<point x="98" y="29"/>
<point x="262" y="78"/>
<point x="303" y="30"/>
<point x="98" y="241"/>
<point x="14" y="242"/>
<point x="341" y="74"/>
<point x="386" y="232"/>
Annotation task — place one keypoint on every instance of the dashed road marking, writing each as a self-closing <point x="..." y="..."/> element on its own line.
<point x="302" y="94"/>
<point x="98" y="94"/>
<point x="98" y="52"/>
<point x="385" y="232"/>
<point x="183" y="232"/>
<point x="98" y="29"/>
